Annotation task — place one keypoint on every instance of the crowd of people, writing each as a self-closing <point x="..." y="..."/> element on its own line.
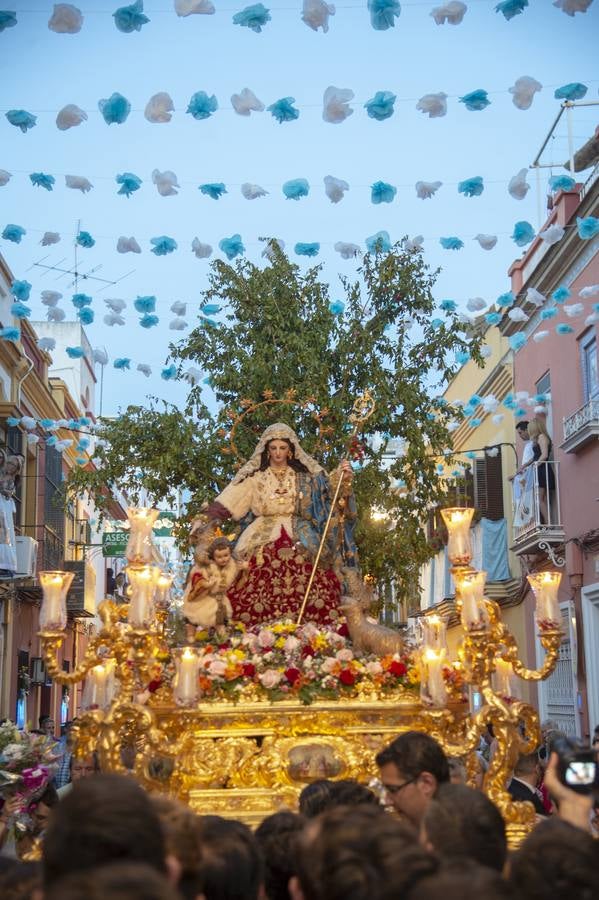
<point x="106" y="837"/>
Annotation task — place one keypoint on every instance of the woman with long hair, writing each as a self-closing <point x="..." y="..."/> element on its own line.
<point x="542" y="447"/>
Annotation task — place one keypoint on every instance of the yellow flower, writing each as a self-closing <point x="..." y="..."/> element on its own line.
<point x="280" y="643"/>
<point x="319" y="642"/>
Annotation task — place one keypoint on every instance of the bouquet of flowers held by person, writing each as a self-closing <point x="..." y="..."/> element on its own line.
<point x="27" y="763"/>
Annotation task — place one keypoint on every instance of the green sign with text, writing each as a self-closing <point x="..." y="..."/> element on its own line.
<point x="114" y="543"/>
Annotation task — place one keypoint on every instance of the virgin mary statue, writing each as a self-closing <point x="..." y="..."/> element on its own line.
<point x="281" y="499"/>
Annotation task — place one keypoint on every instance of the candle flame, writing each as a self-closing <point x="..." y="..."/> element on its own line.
<point x="188" y="653"/>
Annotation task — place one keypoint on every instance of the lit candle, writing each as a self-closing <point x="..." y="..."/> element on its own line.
<point x="139" y="546"/>
<point x="143" y="581"/>
<point x="545" y="586"/>
<point x="434" y="630"/>
<point x="504" y="674"/>
<point x="470" y="588"/>
<point x="457" y="520"/>
<point x="55" y="587"/>
<point x="186" y="680"/>
<point x="162" y="596"/>
<point x="433" y="681"/>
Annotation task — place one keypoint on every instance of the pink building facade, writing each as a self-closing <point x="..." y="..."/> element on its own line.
<point x="563" y="365"/>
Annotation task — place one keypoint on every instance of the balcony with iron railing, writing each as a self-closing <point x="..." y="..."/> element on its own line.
<point x="582" y="426"/>
<point x="537" y="524"/>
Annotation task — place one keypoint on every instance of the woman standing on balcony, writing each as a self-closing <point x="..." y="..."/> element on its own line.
<point x="523" y="480"/>
<point x="542" y="447"/>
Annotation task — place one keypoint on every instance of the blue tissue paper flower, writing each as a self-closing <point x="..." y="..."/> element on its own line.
<point x="74" y="353"/>
<point x="12" y="422"/>
<point x="471" y="187"/>
<point x="511" y="8"/>
<point x="561" y="183"/>
<point x="476" y="100"/>
<point x="587" y="228"/>
<point x="163" y="245"/>
<point x="7" y="19"/>
<point x="215" y="189"/>
<point x="81" y="300"/>
<point x="210" y="309"/>
<point x="595" y="307"/>
<point x="562" y="328"/>
<point x="208" y="380"/>
<point x="383" y="13"/>
<point x="561" y="294"/>
<point x="51" y="440"/>
<point x="21" y="290"/>
<point x="81" y="460"/>
<point x="549" y="313"/>
<point x="506" y="300"/>
<point x="232" y="246"/>
<point x="84" y="422"/>
<point x="381" y="106"/>
<point x="20" y="311"/>
<point x="440" y="468"/>
<point x="437" y="323"/>
<point x="83" y="443"/>
<point x="169" y="373"/>
<point x="462" y="357"/>
<point x="540" y="398"/>
<point x="48" y="424"/>
<point x="201" y="106"/>
<point x="84" y="239"/>
<point x="296" y="188"/>
<point x="493" y="318"/>
<point x="211" y="323"/>
<point x="451" y="243"/>
<point x="13" y="233"/>
<point x="22" y="119"/>
<point x="145" y="304"/>
<point x="468" y="410"/>
<point x="475" y="401"/>
<point x="573" y="91"/>
<point x="518" y="413"/>
<point x="517" y="341"/>
<point x="523" y="233"/>
<point x="122" y="363"/>
<point x="381" y="192"/>
<point x="307" y="249"/>
<point x="336" y="307"/>
<point x="283" y="110"/>
<point x="448" y="305"/>
<point x="474" y="423"/>
<point x="115" y="109"/>
<point x="379" y="242"/>
<point x="148" y="320"/>
<point x="39" y="179"/>
<point x="130" y="18"/>
<point x="254" y="17"/>
<point x="86" y="316"/>
<point x="129" y="183"/>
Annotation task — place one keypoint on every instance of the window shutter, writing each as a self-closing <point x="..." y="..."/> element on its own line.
<point x="480" y="485"/>
<point x="494" y="487"/>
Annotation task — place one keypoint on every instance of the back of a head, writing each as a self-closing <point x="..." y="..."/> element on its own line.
<point x="556" y="860"/>
<point x="313" y="799"/>
<point x="353" y="852"/>
<point x="414" y="752"/>
<point x="19" y="880"/>
<point x="104" y="819"/>
<point x="453" y="883"/>
<point x="180" y="829"/>
<point x="463" y="823"/>
<point x="277" y="838"/>
<point x="229" y="862"/>
<point x="526" y="764"/>
<point x="120" y="881"/>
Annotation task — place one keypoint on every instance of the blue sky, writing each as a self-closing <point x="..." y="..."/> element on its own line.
<point x="42" y="71"/>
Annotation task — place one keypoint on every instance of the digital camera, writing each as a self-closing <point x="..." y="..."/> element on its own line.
<point x="577" y="765"/>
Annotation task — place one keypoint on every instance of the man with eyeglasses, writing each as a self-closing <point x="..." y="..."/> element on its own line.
<point x="412" y="767"/>
<point x="83" y="767"/>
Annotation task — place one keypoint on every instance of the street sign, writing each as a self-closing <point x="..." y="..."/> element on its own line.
<point x="114" y="543"/>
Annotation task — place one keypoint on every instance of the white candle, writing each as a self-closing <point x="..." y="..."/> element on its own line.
<point x="434" y="632"/>
<point x="97" y="694"/>
<point x="143" y="583"/>
<point x="503" y="678"/>
<point x="53" y="613"/>
<point x="471" y="587"/>
<point x="186" y="685"/>
<point x="139" y="546"/>
<point x="433" y="661"/>
<point x="162" y="594"/>
<point x="458" y="521"/>
<point x="546" y="586"/>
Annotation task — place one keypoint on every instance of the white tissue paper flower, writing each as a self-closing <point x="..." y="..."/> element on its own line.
<point x="335" y="104"/>
<point x="490" y="403"/>
<point x="574" y="309"/>
<point x="65" y="19"/>
<point x="100" y="356"/>
<point x="452" y="13"/>
<point x="535" y="297"/>
<point x="46" y="343"/>
<point x="159" y="108"/>
<point x="56" y="314"/>
<point x="540" y="336"/>
<point x="178" y="324"/>
<point x="166" y="183"/>
<point x="33" y="438"/>
<point x="70" y="116"/>
<point x="347" y="250"/>
<point x="63" y="445"/>
<point x="28" y="422"/>
<point x="4" y="177"/>
<point x="497" y="418"/>
<point x="475" y="304"/>
<point x="518" y="187"/>
<point x="517" y="315"/>
<point x="113" y="319"/>
<point x="78" y="183"/>
<point x="127" y="245"/>
<point x="452" y="426"/>
<point x="415" y="243"/>
<point x="486" y="352"/>
<point x="268" y="253"/>
<point x="552" y="234"/>
<point x="202" y="251"/>
<point x="194" y="7"/>
<point x="590" y="290"/>
<point x="492" y="451"/>
<point x="435" y="105"/>
<point x="115" y="304"/>
<point x="522" y="396"/>
<point x="192" y="375"/>
<point x="50" y="237"/>
<point x="51" y="298"/>
<point x="246" y="102"/>
<point x="145" y="369"/>
<point x="524" y="90"/>
<point x="570" y="7"/>
<point x="464" y="319"/>
<point x="335" y="188"/>
<point x="427" y="189"/>
<point x="179" y="307"/>
<point x="252" y="191"/>
<point x="592" y="319"/>
<point x="486" y="241"/>
<point x="315" y="13"/>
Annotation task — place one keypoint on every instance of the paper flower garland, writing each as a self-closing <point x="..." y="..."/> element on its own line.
<point x="523" y="233"/>
<point x="10" y="334"/>
<point x="337" y="307"/>
<point x="39" y="179"/>
<point x="81" y="300"/>
<point x="246" y="102"/>
<point x="476" y="100"/>
<point x="159" y="108"/>
<point x="335" y="188"/>
<point x="122" y="363"/>
<point x="78" y="183"/>
<point x="587" y="228"/>
<point x="552" y="234"/>
<point x="524" y="90"/>
<point x="486" y="241"/>
<point x="518" y="187"/>
<point x="145" y="304"/>
<point x="427" y="189"/>
<point x="148" y="321"/>
<point x="563" y="328"/>
<point x="113" y="319"/>
<point x="145" y="369"/>
<point x="379" y="242"/>
<point x="283" y="110"/>
<point x="214" y="190"/>
<point x="75" y="353"/>
<point x="50" y="237"/>
<point x="7" y="19"/>
<point x="254" y="17"/>
<point x="127" y="245"/>
<point x="471" y="187"/>
<point x="22" y="119"/>
<point x="511" y="8"/>
<point x="312" y="249"/>
<point x="571" y="7"/>
<point x="13" y="233"/>
<point x="84" y="239"/>
<point x="86" y="316"/>
<point x="130" y="18"/>
<point x="194" y="7"/>
<point x="451" y="243"/>
<point x="201" y="106"/>
<point x="561" y="294"/>
<point x="201" y="251"/>
<point x="4" y="177"/>
<point x="21" y="290"/>
<point x="315" y="13"/>
<point x="381" y="192"/>
<point x="296" y="188"/>
<point x="169" y="373"/>
<point x="381" y="106"/>
<point x="561" y="183"/>
<point x="65" y="19"/>
<point x="116" y="305"/>
<point x="55" y="314"/>
<point x="163" y="245"/>
<point x="115" y="109"/>
<point x="166" y="183"/>
<point x="232" y="246"/>
<point x="434" y="105"/>
<point x="451" y="13"/>
<point x="20" y="311"/>
<point x="573" y="91"/>
<point x="129" y="183"/>
<point x="383" y="13"/>
<point x="346" y="250"/>
<point x="70" y="116"/>
<point x="252" y="191"/>
<point x="335" y="104"/>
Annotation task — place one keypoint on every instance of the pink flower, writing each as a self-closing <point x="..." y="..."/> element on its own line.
<point x="329" y="664"/>
<point x="270" y="679"/>
<point x="374" y="667"/>
<point x="266" y="638"/>
<point x="344" y="655"/>
<point x="250" y="640"/>
<point x="291" y="644"/>
<point x="217" y="667"/>
<point x="34" y="778"/>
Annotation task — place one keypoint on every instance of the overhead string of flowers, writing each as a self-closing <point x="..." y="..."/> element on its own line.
<point x="338" y="104"/>
<point x="383" y="14"/>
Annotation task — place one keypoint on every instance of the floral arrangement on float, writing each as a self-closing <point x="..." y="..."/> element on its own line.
<point x="27" y="763"/>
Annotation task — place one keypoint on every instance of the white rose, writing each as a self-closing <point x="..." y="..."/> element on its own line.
<point x="374" y="668"/>
<point x="328" y="664"/>
<point x="270" y="678"/>
<point x="217" y="667"/>
<point x="291" y="644"/>
<point x="266" y="638"/>
<point x="344" y="655"/>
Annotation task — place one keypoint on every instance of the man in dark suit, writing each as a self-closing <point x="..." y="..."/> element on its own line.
<point x="523" y="785"/>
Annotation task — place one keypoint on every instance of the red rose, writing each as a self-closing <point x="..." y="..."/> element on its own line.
<point x="343" y="630"/>
<point x="249" y="670"/>
<point x="292" y="675"/>
<point x="398" y="668"/>
<point x="347" y="677"/>
<point x="154" y="685"/>
<point x="308" y="650"/>
<point x="223" y="646"/>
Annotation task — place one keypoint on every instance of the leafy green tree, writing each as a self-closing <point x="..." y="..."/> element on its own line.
<point x="280" y="332"/>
